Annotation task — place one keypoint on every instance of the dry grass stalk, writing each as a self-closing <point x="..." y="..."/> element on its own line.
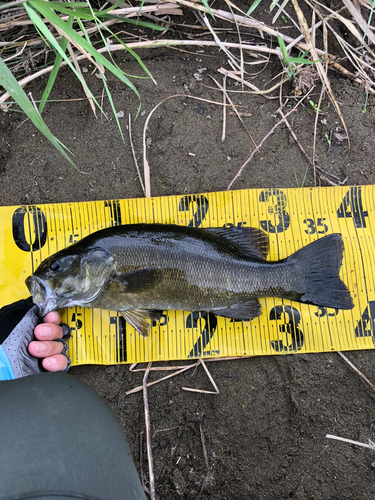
<point x="20" y="18"/>
<point x="180" y="369"/>
<point x="335" y="184"/>
<point x="211" y="380"/>
<point x="315" y="132"/>
<point x="370" y="445"/>
<point x="184" y="369"/>
<point x="322" y="73"/>
<point x="142" y="475"/>
<point x="234" y="76"/>
<point x="356" y="13"/>
<point x="146" y="166"/>
<point x="78" y="69"/>
<point x="234" y="109"/>
<point x="294" y="136"/>
<point x="356" y="370"/>
<point x="224" y="107"/>
<point x="134" y="155"/>
<point x="203" y="441"/>
<point x="264" y="139"/>
<point x="148" y="435"/>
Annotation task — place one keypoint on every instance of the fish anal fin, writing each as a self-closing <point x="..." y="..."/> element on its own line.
<point x="138" y="319"/>
<point x="250" y="242"/>
<point x="242" y="310"/>
<point x="137" y="280"/>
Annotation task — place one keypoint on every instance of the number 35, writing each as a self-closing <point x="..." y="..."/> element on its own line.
<point x="318" y="227"/>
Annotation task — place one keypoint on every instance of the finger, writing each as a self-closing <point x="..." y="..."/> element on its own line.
<point x="55" y="363"/>
<point x="52" y="317"/>
<point x="45" y="349"/>
<point x="48" y="331"/>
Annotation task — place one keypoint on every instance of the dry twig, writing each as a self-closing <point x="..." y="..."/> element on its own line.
<point x="148" y="434"/>
<point x="263" y="141"/>
<point x="134" y="155"/>
<point x="370" y="445"/>
<point x="356" y="370"/>
<point x="211" y="380"/>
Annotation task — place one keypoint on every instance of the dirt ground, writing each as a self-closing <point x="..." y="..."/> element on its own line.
<point x="265" y="431"/>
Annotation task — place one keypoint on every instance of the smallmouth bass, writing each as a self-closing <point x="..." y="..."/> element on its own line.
<point x="141" y="270"/>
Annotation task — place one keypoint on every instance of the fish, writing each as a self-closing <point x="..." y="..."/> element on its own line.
<point x="142" y="270"/>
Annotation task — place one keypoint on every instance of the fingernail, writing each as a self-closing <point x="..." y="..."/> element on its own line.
<point x="44" y="331"/>
<point x="55" y="317"/>
<point x="50" y="362"/>
<point x="39" y="347"/>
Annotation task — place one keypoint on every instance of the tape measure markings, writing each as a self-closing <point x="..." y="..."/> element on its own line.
<point x="292" y="219"/>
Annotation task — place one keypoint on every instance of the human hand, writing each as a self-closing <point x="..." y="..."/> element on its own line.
<point x="46" y="347"/>
<point x="20" y="353"/>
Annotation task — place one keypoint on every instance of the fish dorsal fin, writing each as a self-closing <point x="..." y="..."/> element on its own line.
<point x="137" y="318"/>
<point x="250" y="242"/>
<point x="134" y="281"/>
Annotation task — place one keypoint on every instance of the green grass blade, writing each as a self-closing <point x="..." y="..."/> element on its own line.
<point x="88" y="14"/>
<point x="205" y="3"/>
<point x="8" y="5"/>
<point x="37" y="21"/>
<point x="104" y="82"/>
<point x="55" y="70"/>
<point x="253" y="7"/>
<point x="144" y="24"/>
<point x="57" y="21"/>
<point x="369" y="19"/>
<point x="301" y="60"/>
<point x="131" y="52"/>
<point x="58" y="5"/>
<point x="114" y="110"/>
<point x="10" y="84"/>
<point x="283" y="48"/>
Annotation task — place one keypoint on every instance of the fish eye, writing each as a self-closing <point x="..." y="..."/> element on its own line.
<point x="54" y="266"/>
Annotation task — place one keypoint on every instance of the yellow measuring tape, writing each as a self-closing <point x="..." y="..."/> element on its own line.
<point x="292" y="218"/>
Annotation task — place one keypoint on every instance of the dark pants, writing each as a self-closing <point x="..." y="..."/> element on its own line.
<point x="59" y="440"/>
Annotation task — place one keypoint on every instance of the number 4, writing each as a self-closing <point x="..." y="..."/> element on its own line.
<point x="365" y="326"/>
<point x="351" y="206"/>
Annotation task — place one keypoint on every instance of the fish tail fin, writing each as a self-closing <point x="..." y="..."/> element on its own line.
<point x="317" y="267"/>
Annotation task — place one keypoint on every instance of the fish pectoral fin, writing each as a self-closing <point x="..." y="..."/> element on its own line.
<point x="250" y="242"/>
<point x="137" y="318"/>
<point x="134" y="281"/>
<point x="242" y="310"/>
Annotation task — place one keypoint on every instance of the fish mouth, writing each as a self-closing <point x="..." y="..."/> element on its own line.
<point x="41" y="295"/>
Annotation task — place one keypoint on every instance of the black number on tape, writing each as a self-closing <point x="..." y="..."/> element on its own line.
<point x="207" y="331"/>
<point x="162" y="321"/>
<point x="114" y="206"/>
<point x="322" y="311"/>
<point x="239" y="225"/>
<point x="315" y="227"/>
<point x="351" y="206"/>
<point x="120" y="327"/>
<point x="365" y="326"/>
<point x="278" y="209"/>
<point x="293" y="334"/>
<point x="200" y="211"/>
<point x="77" y="321"/>
<point x="32" y="236"/>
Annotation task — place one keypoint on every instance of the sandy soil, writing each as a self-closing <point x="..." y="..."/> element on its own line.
<point x="265" y="430"/>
